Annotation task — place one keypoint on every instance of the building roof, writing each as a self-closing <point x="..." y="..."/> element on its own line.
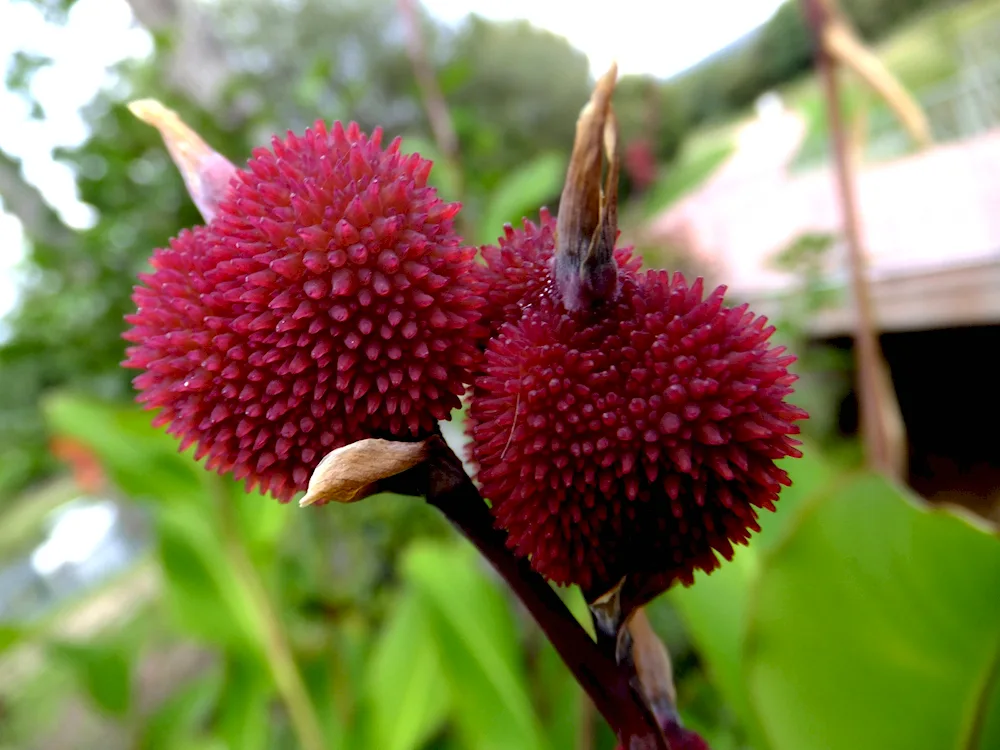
<point x="930" y="225"/>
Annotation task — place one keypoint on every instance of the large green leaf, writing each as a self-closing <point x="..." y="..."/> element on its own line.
<point x="445" y="176"/>
<point x="320" y="672"/>
<point x="12" y="636"/>
<point x="259" y="521"/>
<point x="876" y="624"/>
<point x="204" y="595"/>
<point x="560" y="699"/>
<point x="521" y="193"/>
<point x="354" y="645"/>
<point x="715" y="609"/>
<point x="479" y="648"/>
<point x="103" y="671"/>
<point x="143" y="462"/>
<point x="406" y="692"/>
<point x="172" y="725"/>
<point x="243" y="715"/>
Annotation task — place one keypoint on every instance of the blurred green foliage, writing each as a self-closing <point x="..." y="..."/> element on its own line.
<point x="824" y="371"/>
<point x="775" y="54"/>
<point x="858" y="619"/>
<point x="241" y="71"/>
<point x="434" y="660"/>
<point x="265" y="70"/>
<point x="68" y="323"/>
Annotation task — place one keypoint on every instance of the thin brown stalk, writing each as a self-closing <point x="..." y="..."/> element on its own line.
<point x="275" y="646"/>
<point x="872" y="391"/>
<point x="842" y="44"/>
<point x="432" y="98"/>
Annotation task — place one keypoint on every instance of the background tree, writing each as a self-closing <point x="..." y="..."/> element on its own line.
<point x="240" y="71"/>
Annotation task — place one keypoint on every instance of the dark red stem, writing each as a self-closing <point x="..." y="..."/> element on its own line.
<point x="450" y="490"/>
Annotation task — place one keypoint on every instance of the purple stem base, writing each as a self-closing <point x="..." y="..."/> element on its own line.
<point x="610" y="686"/>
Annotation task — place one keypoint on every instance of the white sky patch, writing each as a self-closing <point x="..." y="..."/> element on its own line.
<point x="98" y="34"/>
<point x="658" y="37"/>
<point x="78" y="532"/>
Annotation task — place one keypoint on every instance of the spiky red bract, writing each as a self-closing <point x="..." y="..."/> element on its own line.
<point x="679" y="738"/>
<point x="329" y="300"/>
<point x="634" y="439"/>
<point x="518" y="271"/>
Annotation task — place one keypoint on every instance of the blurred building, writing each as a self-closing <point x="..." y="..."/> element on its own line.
<point x="930" y="225"/>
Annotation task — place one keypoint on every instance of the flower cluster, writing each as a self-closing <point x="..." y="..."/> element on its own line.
<point x="329" y="299"/>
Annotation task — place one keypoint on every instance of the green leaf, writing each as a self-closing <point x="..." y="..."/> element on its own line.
<point x="521" y="193"/>
<point x="715" y="611"/>
<point x="444" y="176"/>
<point x="875" y="625"/>
<point x="244" y="719"/>
<point x="560" y="699"/>
<point x="716" y="608"/>
<point x="143" y="462"/>
<point x="561" y="703"/>
<point x="204" y="743"/>
<point x="987" y="723"/>
<point x="260" y="520"/>
<point x="204" y="595"/>
<point x="479" y="649"/>
<point x="336" y="702"/>
<point x="406" y="691"/>
<point x="355" y="643"/>
<point x="11" y="636"/>
<point x="173" y="724"/>
<point x="685" y="175"/>
<point x="102" y="670"/>
<point x="810" y="475"/>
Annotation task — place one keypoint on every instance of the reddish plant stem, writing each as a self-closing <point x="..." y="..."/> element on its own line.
<point x="878" y="451"/>
<point x="431" y="95"/>
<point x="450" y="490"/>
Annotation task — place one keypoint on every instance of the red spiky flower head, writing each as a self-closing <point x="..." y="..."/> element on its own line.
<point x="328" y="300"/>
<point x="518" y="269"/>
<point x="680" y="738"/>
<point x="634" y="439"/>
<point x="625" y="426"/>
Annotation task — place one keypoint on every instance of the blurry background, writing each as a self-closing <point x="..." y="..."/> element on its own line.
<point x="147" y="604"/>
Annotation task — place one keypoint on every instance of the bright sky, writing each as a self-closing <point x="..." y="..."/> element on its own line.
<point x="660" y="37"/>
<point x="76" y="534"/>
<point x="80" y="69"/>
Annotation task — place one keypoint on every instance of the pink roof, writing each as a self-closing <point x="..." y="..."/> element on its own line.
<point x="934" y="209"/>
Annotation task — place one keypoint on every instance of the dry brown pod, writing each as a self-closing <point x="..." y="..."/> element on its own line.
<point x="353" y="472"/>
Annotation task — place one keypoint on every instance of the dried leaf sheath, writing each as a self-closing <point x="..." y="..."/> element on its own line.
<point x="587" y="226"/>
